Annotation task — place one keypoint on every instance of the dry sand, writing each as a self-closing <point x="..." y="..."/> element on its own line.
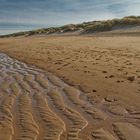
<point x="88" y="88"/>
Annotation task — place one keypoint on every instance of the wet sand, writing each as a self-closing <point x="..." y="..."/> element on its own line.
<point x="82" y="92"/>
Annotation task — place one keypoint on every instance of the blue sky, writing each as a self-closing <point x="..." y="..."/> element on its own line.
<point x="19" y="15"/>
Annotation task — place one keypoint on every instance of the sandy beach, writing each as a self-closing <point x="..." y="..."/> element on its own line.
<point x="70" y="88"/>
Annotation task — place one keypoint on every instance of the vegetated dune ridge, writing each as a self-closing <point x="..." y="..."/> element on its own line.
<point x="37" y="105"/>
<point x="114" y="26"/>
<point x="96" y="95"/>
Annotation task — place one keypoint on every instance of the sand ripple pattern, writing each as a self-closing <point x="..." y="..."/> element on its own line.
<point x="37" y="105"/>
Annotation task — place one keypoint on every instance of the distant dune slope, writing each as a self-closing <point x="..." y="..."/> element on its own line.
<point x="130" y="24"/>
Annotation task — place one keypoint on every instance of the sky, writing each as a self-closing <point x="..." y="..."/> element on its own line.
<point x="22" y="15"/>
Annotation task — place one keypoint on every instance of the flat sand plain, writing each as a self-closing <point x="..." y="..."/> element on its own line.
<point x="70" y="88"/>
